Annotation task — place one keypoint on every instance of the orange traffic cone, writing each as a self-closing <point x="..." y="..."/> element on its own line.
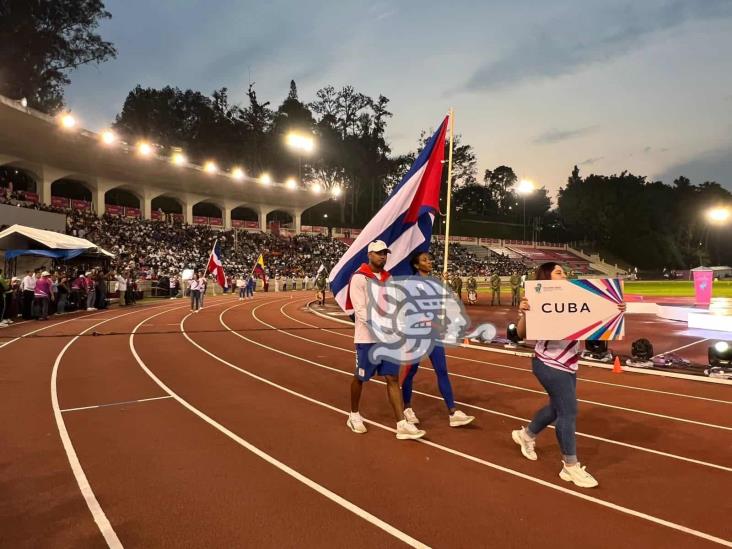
<point x="617" y="368"/>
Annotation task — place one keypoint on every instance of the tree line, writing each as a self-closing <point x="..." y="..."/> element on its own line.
<point x="648" y="224"/>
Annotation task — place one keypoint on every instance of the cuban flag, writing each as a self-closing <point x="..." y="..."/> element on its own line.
<point x="215" y="266"/>
<point x="404" y="222"/>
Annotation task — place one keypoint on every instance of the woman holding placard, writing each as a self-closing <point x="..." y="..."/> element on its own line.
<point x="555" y="365"/>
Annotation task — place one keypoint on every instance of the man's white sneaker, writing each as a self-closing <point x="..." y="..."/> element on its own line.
<point x="410" y="416"/>
<point x="355" y="423"/>
<point x="578" y="475"/>
<point x="407" y="431"/>
<point x="460" y="418"/>
<point x="526" y="442"/>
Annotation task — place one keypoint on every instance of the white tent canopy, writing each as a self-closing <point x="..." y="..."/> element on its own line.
<point x="22" y="237"/>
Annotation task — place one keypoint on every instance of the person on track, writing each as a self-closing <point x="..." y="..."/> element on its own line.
<point x="365" y="340"/>
<point x="321" y="283"/>
<point x="555" y="366"/>
<point x="241" y="286"/>
<point x="195" y="290"/>
<point x="422" y="263"/>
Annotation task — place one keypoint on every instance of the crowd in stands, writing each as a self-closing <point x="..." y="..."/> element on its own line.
<point x="465" y="263"/>
<point x="160" y="250"/>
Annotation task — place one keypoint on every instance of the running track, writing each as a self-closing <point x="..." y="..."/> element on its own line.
<point x="227" y="428"/>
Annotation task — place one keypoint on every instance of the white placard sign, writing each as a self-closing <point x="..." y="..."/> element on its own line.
<point x="575" y="309"/>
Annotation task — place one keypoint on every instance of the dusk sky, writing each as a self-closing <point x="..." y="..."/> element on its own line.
<point x="540" y="86"/>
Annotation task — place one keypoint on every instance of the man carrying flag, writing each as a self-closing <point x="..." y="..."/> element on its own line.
<point x="400" y="228"/>
<point x="215" y="266"/>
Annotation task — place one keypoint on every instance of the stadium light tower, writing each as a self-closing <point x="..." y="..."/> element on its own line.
<point x="717" y="215"/>
<point x="524" y="188"/>
<point x="301" y="144"/>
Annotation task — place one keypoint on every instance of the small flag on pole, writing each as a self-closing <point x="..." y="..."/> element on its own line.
<point x="258" y="270"/>
<point x="215" y="266"/>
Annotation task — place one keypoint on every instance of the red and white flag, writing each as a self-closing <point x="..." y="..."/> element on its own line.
<point x="215" y="266"/>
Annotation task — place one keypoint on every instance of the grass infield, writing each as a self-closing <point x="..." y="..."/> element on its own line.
<point x="649" y="288"/>
<point x="674" y="288"/>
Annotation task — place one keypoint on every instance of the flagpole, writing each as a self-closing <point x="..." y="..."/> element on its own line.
<point x="449" y="194"/>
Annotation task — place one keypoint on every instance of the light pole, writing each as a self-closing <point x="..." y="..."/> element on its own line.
<point x="524" y="188"/>
<point x="302" y="144"/>
<point x="718" y="215"/>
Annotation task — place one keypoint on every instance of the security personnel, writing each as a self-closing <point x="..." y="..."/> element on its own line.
<point x="472" y="290"/>
<point x="495" y="282"/>
<point x="457" y="286"/>
<point x="321" y="283"/>
<point x="515" y="289"/>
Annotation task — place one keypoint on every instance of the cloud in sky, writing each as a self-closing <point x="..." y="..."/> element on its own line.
<point x="713" y="165"/>
<point x="576" y="38"/>
<point x="555" y="136"/>
<point x="591" y="161"/>
<point x="606" y="78"/>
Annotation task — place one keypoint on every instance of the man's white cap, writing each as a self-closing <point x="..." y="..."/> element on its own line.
<point x="45" y="273"/>
<point x="378" y="246"/>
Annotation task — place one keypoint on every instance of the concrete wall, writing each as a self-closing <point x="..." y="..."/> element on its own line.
<point x="10" y="215"/>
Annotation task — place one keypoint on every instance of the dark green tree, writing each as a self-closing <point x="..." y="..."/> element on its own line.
<point x="43" y="41"/>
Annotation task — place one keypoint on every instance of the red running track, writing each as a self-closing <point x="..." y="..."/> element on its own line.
<point x="227" y="428"/>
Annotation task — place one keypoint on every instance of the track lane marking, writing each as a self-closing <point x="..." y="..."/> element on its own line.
<point x="114" y="404"/>
<point x="526" y="420"/>
<point x="512" y="472"/>
<point x="100" y="518"/>
<point x="322" y="490"/>
<point x="507" y="385"/>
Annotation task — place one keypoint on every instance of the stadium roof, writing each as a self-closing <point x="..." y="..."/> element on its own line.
<point x="33" y="138"/>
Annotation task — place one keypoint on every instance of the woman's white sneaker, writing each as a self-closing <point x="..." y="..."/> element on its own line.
<point x="460" y="418"/>
<point x="355" y="423"/>
<point x="407" y="431"/>
<point x="526" y="442"/>
<point x="578" y="475"/>
<point x="410" y="416"/>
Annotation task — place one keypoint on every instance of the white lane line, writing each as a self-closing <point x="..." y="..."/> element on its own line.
<point x="110" y="536"/>
<point x="507" y="366"/>
<point x="682" y="347"/>
<point x="509" y="386"/>
<point x="84" y="317"/>
<point x="526" y="420"/>
<point x="332" y="496"/>
<point x="114" y="404"/>
<point x="598" y="501"/>
<point x="105" y="527"/>
<point x="46" y="328"/>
